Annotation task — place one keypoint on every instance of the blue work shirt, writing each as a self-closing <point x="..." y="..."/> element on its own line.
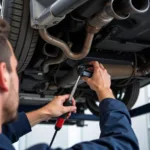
<point x="115" y="125"/>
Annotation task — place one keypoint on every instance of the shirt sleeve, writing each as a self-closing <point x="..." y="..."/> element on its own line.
<point x="18" y="128"/>
<point x="5" y="144"/>
<point x="116" y="131"/>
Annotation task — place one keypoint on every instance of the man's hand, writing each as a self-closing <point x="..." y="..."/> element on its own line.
<point x="54" y="109"/>
<point x="100" y="81"/>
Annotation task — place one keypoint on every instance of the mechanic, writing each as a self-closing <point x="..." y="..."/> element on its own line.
<point x="115" y="123"/>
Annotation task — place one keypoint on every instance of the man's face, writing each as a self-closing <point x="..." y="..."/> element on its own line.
<point x="12" y="101"/>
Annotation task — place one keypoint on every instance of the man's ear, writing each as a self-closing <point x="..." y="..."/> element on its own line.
<point x="4" y="77"/>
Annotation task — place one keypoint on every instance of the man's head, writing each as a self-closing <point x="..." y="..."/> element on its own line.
<point x="9" y="84"/>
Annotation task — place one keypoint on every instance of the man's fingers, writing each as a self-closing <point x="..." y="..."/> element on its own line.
<point x="86" y="79"/>
<point x="96" y="67"/>
<point x="75" y="111"/>
<point x="101" y="66"/>
<point x="69" y="109"/>
<point x="68" y="115"/>
<point x="91" y="63"/>
<point x="95" y="64"/>
<point x="73" y="102"/>
<point x="63" y="98"/>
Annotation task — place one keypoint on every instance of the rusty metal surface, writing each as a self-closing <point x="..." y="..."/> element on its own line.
<point x="65" y="48"/>
<point x="61" y="57"/>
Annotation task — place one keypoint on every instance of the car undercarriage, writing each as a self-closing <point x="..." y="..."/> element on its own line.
<point x="51" y="38"/>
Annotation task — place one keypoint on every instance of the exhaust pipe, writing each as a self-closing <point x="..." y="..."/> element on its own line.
<point x="65" y="48"/>
<point x="53" y="61"/>
<point x="62" y="7"/>
<point x="54" y="13"/>
<point x="132" y="6"/>
<point x="53" y="53"/>
<point x="119" y="9"/>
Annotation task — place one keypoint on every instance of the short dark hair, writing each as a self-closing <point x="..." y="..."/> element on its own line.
<point x="5" y="52"/>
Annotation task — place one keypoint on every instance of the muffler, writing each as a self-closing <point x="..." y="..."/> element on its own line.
<point x="115" y="71"/>
<point x="119" y="9"/>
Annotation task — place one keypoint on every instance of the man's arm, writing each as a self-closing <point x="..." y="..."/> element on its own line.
<point x="54" y="109"/>
<point x="116" y="131"/>
<point x="115" y="123"/>
<point x="25" y="121"/>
